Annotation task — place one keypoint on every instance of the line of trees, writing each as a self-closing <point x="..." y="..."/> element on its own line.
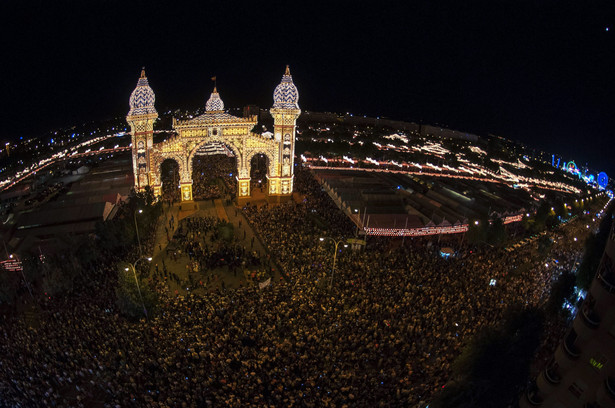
<point x="495" y="365"/>
<point x="73" y="266"/>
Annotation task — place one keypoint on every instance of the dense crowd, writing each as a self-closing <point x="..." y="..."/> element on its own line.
<point x="385" y="334"/>
<point x="209" y="243"/>
<point x="207" y="171"/>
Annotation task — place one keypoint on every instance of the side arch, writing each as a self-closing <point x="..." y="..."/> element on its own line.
<point x="271" y="156"/>
<point x="156" y="159"/>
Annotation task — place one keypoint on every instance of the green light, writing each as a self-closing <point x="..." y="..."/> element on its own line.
<point x="596" y="364"/>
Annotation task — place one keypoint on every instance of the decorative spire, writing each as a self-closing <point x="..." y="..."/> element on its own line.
<point x="286" y="95"/>
<point x="142" y="98"/>
<point x="214" y="103"/>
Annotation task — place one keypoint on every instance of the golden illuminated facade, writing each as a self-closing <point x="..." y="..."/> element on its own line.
<point x="215" y="126"/>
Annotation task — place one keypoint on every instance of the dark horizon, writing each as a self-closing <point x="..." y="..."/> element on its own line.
<point x="537" y="73"/>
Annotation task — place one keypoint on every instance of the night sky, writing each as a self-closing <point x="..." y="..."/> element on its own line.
<point x="538" y="71"/>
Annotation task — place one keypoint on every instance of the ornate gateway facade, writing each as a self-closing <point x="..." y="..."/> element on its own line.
<point x="215" y="126"/>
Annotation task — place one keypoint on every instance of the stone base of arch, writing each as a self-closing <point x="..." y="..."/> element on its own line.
<point x="186" y="191"/>
<point x="280" y="186"/>
<point x="243" y="188"/>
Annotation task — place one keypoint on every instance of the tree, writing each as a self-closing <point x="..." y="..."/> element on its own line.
<point x="9" y="283"/>
<point x="115" y="236"/>
<point x="562" y="290"/>
<point x="594" y="247"/>
<point x="60" y="272"/>
<point x="496" y="233"/>
<point x="127" y="294"/>
<point x="477" y="232"/>
<point x="495" y="364"/>
<point x="544" y="245"/>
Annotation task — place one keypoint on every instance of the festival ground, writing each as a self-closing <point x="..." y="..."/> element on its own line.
<point x="168" y="253"/>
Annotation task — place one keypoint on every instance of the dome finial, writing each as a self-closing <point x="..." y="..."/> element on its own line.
<point x="286" y="95"/>
<point x="142" y="98"/>
<point x="214" y="103"/>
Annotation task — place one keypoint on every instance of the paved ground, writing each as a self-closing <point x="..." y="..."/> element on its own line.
<point x="177" y="262"/>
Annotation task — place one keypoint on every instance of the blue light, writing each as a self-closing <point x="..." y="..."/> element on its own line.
<point x="603" y="179"/>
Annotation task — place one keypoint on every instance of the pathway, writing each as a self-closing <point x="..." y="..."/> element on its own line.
<point x="244" y="234"/>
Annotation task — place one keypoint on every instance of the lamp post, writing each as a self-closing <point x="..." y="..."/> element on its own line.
<point x="140" y="211"/>
<point x="134" y="271"/>
<point x="337" y="243"/>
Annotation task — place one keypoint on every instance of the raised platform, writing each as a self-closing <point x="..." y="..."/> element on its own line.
<point x="277" y="199"/>
<point x="188" y="206"/>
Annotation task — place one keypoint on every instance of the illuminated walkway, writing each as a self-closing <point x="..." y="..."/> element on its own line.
<point x="220" y="212"/>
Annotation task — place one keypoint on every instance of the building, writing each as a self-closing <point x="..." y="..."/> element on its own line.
<point x="581" y="373"/>
<point x="215" y="126"/>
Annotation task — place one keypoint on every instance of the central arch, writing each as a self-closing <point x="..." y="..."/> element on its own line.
<point x="214" y="149"/>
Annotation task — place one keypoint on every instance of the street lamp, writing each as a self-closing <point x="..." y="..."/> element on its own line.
<point x="140" y="211"/>
<point x="337" y="243"/>
<point x="134" y="271"/>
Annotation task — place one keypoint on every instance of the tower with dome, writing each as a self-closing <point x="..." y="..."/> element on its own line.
<point x="215" y="126"/>
<point x="141" y="118"/>
<point x="285" y="112"/>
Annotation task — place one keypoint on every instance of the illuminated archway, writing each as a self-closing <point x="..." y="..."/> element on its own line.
<point x="210" y="164"/>
<point x="215" y="126"/>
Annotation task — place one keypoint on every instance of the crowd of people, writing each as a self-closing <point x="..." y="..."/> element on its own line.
<point x="382" y="331"/>
<point x="211" y="243"/>
<point x="207" y="170"/>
